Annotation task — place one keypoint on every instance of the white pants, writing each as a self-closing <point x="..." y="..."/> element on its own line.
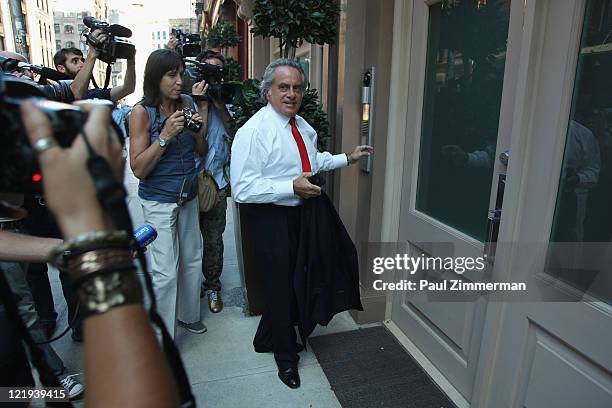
<point x="130" y="182"/>
<point x="176" y="260"/>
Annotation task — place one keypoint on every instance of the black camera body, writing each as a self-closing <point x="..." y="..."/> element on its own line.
<point x="18" y="164"/>
<point x="189" y="123"/>
<point x="213" y="75"/>
<point x="113" y="48"/>
<point x="188" y="45"/>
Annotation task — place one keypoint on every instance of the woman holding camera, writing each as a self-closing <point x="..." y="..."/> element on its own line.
<point x="164" y="139"/>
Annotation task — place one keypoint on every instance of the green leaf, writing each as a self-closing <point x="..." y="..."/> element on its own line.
<point x="316" y="21"/>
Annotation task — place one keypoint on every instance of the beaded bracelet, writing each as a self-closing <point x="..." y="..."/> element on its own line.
<point x="104" y="279"/>
<point x="90" y="241"/>
<point x="100" y="267"/>
<point x="104" y="291"/>
<point x="91" y="262"/>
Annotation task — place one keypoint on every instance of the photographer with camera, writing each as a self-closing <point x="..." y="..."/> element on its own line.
<point x="17" y="65"/>
<point x="70" y="61"/>
<point x="186" y="44"/>
<point x="125" y="365"/>
<point x="165" y="137"/>
<point x="219" y="135"/>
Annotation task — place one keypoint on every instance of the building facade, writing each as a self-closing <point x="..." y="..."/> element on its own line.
<point x="120" y="66"/>
<point x="39" y="17"/>
<point x="160" y="34"/>
<point x="68" y="26"/>
<point x="26" y="27"/>
<point x="186" y="25"/>
<point x="210" y="12"/>
<point x="7" y="40"/>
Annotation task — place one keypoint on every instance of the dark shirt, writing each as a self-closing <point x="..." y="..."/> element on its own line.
<point x="164" y="182"/>
<point x="59" y="91"/>
<point x="99" y="93"/>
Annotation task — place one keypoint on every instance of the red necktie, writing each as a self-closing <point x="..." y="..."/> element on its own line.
<point x="301" y="146"/>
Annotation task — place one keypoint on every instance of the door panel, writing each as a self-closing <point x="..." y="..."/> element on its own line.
<point x="580" y="377"/>
<point x="447" y="332"/>
<point x="457" y="73"/>
<point x="455" y="320"/>
<point x="455" y="340"/>
<point x="544" y="353"/>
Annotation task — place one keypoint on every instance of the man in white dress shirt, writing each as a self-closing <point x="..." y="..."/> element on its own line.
<point x="273" y="155"/>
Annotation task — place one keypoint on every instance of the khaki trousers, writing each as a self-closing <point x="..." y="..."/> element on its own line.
<point x="176" y="260"/>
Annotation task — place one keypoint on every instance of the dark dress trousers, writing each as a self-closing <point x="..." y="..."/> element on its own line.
<point x="310" y="270"/>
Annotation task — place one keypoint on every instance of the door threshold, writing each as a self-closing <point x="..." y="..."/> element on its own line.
<point x="435" y="374"/>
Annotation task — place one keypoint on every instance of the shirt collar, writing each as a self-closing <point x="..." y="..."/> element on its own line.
<point x="281" y="119"/>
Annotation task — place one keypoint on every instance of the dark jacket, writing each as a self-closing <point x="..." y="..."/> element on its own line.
<point x="326" y="279"/>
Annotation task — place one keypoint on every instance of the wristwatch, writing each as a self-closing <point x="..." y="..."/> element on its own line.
<point x="162" y="142"/>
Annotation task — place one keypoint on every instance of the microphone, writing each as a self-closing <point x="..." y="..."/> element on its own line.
<point x="115" y="29"/>
<point x="93" y="22"/>
<point x="119" y="30"/>
<point x="144" y="235"/>
<point x="46" y="72"/>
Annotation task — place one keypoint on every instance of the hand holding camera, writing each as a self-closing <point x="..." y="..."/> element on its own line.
<point x="104" y="38"/>
<point x="199" y="88"/>
<point x="69" y="188"/>
<point x="174" y="125"/>
<point x="217" y="91"/>
<point x="99" y="36"/>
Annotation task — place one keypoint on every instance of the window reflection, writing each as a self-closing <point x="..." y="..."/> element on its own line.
<point x="582" y="224"/>
<point x="463" y="85"/>
<point x="584" y="204"/>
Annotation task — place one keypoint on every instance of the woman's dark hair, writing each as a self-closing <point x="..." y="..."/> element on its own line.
<point x="158" y="64"/>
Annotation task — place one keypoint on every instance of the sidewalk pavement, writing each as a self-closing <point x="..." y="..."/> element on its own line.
<point x="223" y="368"/>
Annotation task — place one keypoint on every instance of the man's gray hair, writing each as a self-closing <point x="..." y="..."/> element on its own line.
<point x="268" y="76"/>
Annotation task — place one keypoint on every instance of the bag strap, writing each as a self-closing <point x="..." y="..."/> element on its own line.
<point x="111" y="195"/>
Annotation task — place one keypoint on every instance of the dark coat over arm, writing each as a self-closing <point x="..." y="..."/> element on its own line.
<point x="326" y="279"/>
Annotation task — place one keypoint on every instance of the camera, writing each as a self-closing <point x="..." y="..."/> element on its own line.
<point x="112" y="48"/>
<point x="10" y="65"/>
<point x="191" y="124"/>
<point x="213" y="75"/>
<point x="59" y="91"/>
<point x="19" y="171"/>
<point x="188" y="45"/>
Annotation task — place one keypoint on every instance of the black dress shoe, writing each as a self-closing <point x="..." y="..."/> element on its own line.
<point x="268" y="349"/>
<point x="290" y="377"/>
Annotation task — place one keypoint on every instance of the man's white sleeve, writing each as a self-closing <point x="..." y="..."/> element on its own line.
<point x="326" y="161"/>
<point x="246" y="175"/>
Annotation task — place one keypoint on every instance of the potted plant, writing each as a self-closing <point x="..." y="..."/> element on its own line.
<point x="296" y="21"/>
<point x="223" y="36"/>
